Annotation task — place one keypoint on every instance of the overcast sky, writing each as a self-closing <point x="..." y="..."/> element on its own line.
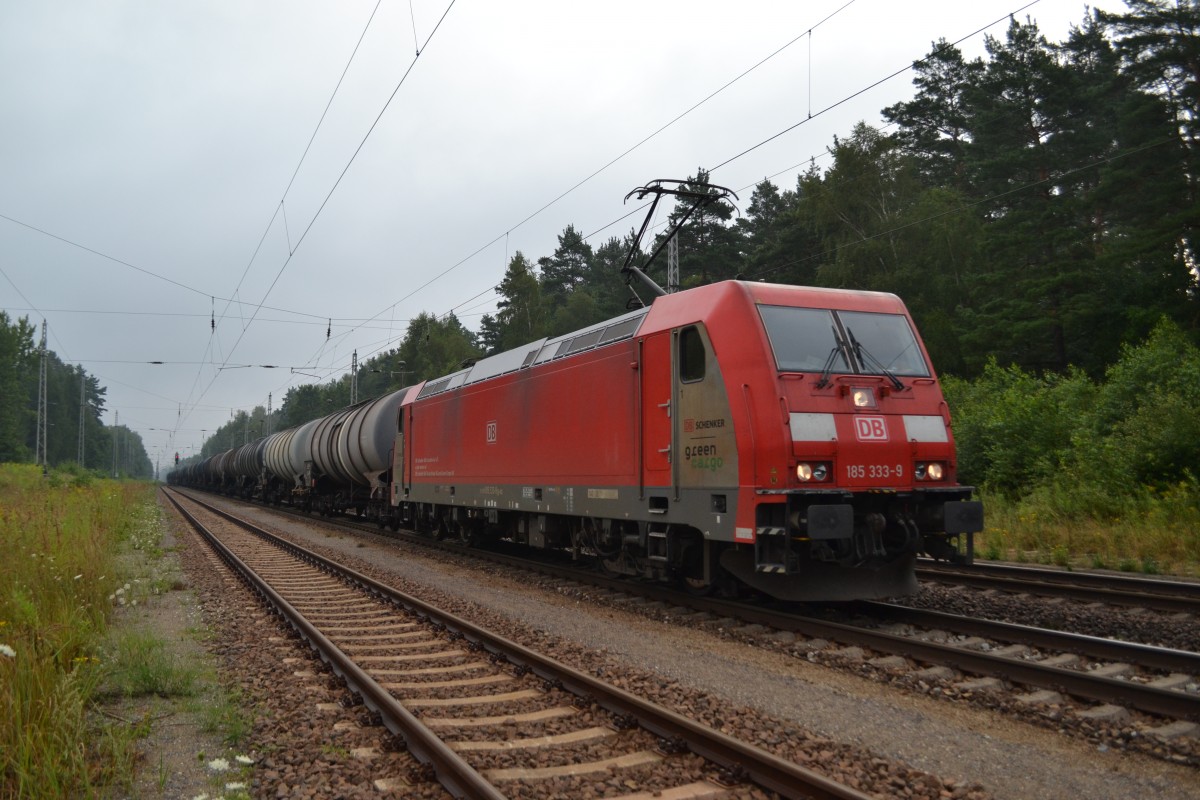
<point x="163" y="136"/>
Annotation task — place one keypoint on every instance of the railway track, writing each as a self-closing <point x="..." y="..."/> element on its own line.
<point x="1149" y="593"/>
<point x="485" y="716"/>
<point x="1035" y="666"/>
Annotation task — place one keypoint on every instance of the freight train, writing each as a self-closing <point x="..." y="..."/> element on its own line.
<point x="787" y="439"/>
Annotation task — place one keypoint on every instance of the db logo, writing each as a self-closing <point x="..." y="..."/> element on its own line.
<point x="870" y="429"/>
<point x="689" y="426"/>
<point x="491" y="432"/>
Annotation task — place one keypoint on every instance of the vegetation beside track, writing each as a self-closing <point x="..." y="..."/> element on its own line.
<point x="77" y="551"/>
<point x="1076" y="472"/>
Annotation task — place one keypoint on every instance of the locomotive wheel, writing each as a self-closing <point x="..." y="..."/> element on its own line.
<point x="470" y="532"/>
<point x="440" y="529"/>
<point x="613" y="566"/>
<point x="691" y="569"/>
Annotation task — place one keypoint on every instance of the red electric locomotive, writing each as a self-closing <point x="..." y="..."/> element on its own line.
<point x="791" y="439"/>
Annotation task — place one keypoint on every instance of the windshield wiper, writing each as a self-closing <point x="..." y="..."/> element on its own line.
<point x="866" y="359"/>
<point x="828" y="368"/>
<point x="838" y="348"/>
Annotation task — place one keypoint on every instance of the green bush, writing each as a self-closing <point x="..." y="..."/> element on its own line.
<point x="1014" y="429"/>
<point x="1113" y="464"/>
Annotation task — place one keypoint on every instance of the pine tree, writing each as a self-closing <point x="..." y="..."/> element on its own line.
<point x="1159" y="45"/>
<point x="17" y="365"/>
<point x="519" y="313"/>
<point x="935" y="126"/>
<point x="566" y="270"/>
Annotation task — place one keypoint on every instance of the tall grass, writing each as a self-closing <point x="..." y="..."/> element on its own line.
<point x="61" y="536"/>
<point x="1153" y="532"/>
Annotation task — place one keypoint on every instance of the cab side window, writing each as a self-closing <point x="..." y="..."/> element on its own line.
<point x="691" y="355"/>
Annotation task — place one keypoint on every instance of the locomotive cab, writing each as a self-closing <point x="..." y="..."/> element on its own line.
<point x="869" y="479"/>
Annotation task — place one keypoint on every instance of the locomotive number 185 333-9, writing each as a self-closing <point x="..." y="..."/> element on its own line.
<point x="885" y="471"/>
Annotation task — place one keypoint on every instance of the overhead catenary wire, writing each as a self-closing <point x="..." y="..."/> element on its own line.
<point x="330" y="193"/>
<point x="151" y="273"/>
<point x="868" y="88"/>
<point x="291" y="181"/>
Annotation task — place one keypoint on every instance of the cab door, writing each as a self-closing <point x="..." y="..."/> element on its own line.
<point x="656" y="417"/>
<point x="705" y="443"/>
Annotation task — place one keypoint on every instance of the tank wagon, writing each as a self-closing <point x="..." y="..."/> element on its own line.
<point x="790" y="439"/>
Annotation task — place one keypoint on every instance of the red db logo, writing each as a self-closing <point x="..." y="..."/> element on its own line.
<point x="870" y="429"/>
<point x="491" y="432"/>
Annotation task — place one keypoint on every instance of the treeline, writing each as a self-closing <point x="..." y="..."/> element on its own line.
<point x="67" y="387"/>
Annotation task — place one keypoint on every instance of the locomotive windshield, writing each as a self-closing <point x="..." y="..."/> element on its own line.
<point x="817" y="339"/>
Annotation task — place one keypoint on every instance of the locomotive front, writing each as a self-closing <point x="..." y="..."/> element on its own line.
<point x="862" y="477"/>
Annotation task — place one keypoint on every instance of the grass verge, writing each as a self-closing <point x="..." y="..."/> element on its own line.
<point x="81" y="555"/>
<point x="1156" y="538"/>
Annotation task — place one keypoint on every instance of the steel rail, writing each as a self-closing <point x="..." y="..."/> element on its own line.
<point x="1172" y="596"/>
<point x="762" y="768"/>
<point x="452" y="771"/>
<point x="1162" y="585"/>
<point x="1153" y="700"/>
<point x="1144" y="655"/>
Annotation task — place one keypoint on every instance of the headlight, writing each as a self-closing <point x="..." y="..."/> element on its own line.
<point x="806" y="473"/>
<point x="862" y="398"/>
<point x="930" y="471"/>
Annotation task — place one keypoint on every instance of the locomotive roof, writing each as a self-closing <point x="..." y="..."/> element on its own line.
<point x="668" y="311"/>
<point x="701" y="303"/>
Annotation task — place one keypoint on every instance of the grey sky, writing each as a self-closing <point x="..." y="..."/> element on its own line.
<point x="164" y="135"/>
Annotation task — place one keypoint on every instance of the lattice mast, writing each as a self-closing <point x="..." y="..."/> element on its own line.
<point x="42" y="422"/>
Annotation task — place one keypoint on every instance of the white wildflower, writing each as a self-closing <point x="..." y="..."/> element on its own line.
<point x="201" y="796"/>
<point x="218" y="765"/>
<point x="5" y="650"/>
<point x="234" y="786"/>
<point x="247" y="760"/>
<point x="77" y="577"/>
<point x="127" y="587"/>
